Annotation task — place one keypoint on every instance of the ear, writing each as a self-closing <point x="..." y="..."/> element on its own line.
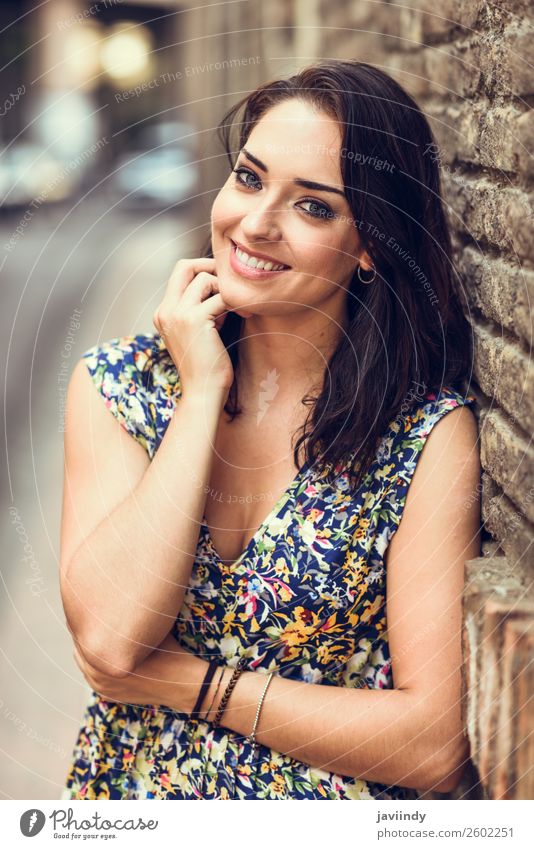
<point x="365" y="261"/>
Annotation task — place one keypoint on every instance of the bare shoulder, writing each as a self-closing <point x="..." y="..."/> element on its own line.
<point x="86" y="415"/>
<point x="92" y="433"/>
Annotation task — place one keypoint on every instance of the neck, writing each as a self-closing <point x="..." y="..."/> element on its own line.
<point x="286" y="356"/>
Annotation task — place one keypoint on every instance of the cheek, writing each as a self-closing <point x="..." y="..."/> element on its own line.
<point x="224" y="210"/>
<point x="320" y="252"/>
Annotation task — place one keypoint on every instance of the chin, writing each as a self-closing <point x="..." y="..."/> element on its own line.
<point x="235" y="301"/>
<point x="243" y="313"/>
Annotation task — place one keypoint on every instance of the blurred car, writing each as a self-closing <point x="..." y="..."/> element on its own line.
<point x="56" y="153"/>
<point x="161" y="171"/>
<point x="30" y="173"/>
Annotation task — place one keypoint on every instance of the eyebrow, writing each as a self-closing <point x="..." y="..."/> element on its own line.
<point x="306" y="184"/>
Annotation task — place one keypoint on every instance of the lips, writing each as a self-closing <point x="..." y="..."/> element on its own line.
<point x="258" y="255"/>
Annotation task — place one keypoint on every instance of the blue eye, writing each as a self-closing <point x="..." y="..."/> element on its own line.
<point x="323" y="213"/>
<point x="238" y="171"/>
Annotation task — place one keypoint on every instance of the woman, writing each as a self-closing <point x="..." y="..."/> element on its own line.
<point x="229" y="614"/>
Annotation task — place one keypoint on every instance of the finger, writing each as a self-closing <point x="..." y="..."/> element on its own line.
<point x="214" y="306"/>
<point x="219" y="321"/>
<point x="184" y="272"/>
<point x="203" y="286"/>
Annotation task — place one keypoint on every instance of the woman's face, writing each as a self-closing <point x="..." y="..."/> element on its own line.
<point x="309" y="230"/>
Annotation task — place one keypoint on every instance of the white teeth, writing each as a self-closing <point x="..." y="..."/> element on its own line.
<point x="253" y="262"/>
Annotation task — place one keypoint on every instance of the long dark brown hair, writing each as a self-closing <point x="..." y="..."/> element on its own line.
<point x="407" y="333"/>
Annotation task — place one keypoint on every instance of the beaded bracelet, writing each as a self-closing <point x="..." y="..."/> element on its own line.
<point x="195" y="714"/>
<point x="229" y="687"/>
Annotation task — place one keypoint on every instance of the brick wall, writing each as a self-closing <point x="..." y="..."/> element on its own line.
<point x="471" y="69"/>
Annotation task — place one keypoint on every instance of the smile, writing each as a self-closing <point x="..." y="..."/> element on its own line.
<point x="252" y="266"/>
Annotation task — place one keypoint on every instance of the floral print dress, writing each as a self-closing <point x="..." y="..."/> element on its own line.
<point x="306" y="599"/>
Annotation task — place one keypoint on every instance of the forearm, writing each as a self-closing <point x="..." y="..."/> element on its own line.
<point x="126" y="582"/>
<point x="387" y="736"/>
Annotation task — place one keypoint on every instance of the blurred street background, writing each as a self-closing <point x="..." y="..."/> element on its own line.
<point x="108" y="169"/>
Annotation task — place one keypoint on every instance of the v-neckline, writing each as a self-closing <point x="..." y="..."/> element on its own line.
<point x="273" y="514"/>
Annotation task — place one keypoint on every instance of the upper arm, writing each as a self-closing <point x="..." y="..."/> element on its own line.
<point x="438" y="532"/>
<point x="102" y="463"/>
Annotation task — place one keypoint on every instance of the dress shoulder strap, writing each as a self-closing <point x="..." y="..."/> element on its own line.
<point x="122" y="370"/>
<point x="405" y="441"/>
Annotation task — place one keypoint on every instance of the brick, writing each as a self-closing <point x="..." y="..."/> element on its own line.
<point x="469" y="123"/>
<point x="517" y="8"/>
<point x="507" y="525"/>
<point x="450" y="16"/>
<point x="483" y="135"/>
<point x="443" y="119"/>
<point x="491" y="548"/>
<point x="489" y="213"/>
<point x="513" y="71"/>
<point x="496" y="144"/>
<point x="454" y="70"/>
<point x="409" y="25"/>
<point x="525" y="143"/>
<point x="485" y="577"/>
<point x="489" y="686"/>
<point x="509" y="459"/>
<point x="457" y="130"/>
<point x="497" y="64"/>
<point x="409" y="70"/>
<point x="364" y="15"/>
<point x="523" y="673"/>
<point x="360" y="16"/>
<point x="502" y="292"/>
<point x="512" y="771"/>
<point x="399" y="26"/>
<point x="368" y="47"/>
<point x="506" y="60"/>
<point x="496" y="614"/>
<point x="504" y="373"/>
<point x="355" y="14"/>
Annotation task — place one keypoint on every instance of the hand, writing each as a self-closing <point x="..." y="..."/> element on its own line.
<point x="189" y="318"/>
<point x="170" y="676"/>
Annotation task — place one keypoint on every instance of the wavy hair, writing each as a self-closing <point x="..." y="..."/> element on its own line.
<point x="407" y="330"/>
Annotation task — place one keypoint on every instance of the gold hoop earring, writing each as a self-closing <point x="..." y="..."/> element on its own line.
<point x="366" y="282"/>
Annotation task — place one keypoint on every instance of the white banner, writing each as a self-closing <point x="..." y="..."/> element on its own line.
<point x="149" y="823"/>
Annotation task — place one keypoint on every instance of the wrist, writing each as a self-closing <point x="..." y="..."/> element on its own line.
<point x="214" y="693"/>
<point x="205" y="395"/>
<point x="240" y="709"/>
<point x="194" y="674"/>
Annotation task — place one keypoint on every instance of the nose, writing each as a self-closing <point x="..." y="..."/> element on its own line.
<point x="262" y="221"/>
